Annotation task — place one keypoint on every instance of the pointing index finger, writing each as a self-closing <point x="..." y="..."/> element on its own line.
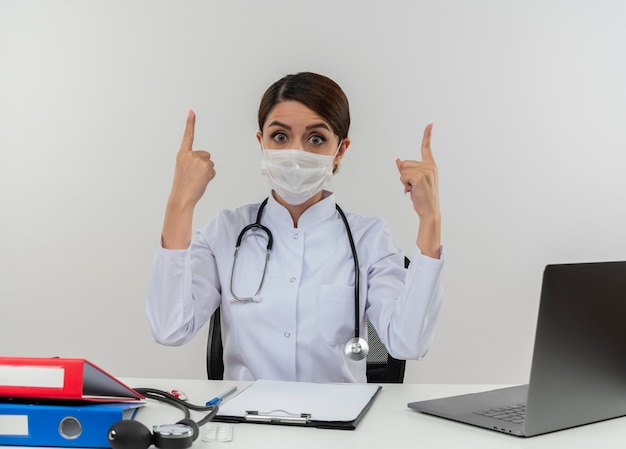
<point x="187" y="143"/>
<point x="427" y="154"/>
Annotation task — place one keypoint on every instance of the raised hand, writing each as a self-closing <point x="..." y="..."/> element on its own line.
<point x="420" y="179"/>
<point x="194" y="170"/>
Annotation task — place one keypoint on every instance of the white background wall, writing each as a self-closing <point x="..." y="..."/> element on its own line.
<point x="528" y="100"/>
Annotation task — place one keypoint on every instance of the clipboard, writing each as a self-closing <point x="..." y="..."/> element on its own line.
<point x="328" y="406"/>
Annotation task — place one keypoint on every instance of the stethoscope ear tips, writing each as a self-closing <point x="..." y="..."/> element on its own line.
<point x="356" y="348"/>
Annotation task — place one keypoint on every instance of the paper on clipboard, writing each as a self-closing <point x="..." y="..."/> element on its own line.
<point x="300" y="403"/>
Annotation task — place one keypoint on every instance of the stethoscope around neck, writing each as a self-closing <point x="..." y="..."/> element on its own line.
<point x="356" y="348"/>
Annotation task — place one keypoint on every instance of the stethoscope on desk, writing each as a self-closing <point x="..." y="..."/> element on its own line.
<point x="356" y="348"/>
<point x="132" y="434"/>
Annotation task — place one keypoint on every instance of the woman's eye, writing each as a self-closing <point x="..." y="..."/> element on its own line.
<point x="317" y="140"/>
<point x="279" y="137"/>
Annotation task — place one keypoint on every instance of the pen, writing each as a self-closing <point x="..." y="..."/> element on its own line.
<point x="217" y="399"/>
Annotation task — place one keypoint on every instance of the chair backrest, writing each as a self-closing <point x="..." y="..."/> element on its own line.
<point x="215" y="350"/>
<point x="381" y="367"/>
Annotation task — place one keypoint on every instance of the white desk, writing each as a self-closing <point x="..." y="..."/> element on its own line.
<point x="388" y="423"/>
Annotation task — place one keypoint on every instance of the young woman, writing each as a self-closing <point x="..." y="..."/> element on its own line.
<point x="289" y="313"/>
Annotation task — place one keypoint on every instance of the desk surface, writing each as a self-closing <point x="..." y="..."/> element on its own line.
<point x="388" y="422"/>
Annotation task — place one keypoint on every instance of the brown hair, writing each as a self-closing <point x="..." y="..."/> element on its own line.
<point x="317" y="92"/>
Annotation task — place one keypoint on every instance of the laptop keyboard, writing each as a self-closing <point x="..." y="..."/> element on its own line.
<point x="513" y="413"/>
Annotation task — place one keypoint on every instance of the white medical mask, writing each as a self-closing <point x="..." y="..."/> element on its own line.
<point x="297" y="175"/>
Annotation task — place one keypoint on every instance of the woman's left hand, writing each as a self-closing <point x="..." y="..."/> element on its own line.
<point x="421" y="181"/>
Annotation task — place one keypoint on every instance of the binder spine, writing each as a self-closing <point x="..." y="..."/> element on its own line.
<point x="87" y="425"/>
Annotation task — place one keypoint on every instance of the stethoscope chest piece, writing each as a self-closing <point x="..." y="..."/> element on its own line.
<point x="356" y="348"/>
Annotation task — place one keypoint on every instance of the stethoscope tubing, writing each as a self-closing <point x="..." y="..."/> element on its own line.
<point x="270" y="241"/>
<point x="357" y="275"/>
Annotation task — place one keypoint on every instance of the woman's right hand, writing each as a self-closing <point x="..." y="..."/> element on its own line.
<point x="194" y="170"/>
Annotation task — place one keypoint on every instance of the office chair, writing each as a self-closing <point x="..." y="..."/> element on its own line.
<point x="381" y="367"/>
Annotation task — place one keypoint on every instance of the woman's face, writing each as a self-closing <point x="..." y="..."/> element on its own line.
<point x="291" y="125"/>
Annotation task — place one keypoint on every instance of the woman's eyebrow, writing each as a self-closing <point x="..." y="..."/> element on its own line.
<point x="318" y="125"/>
<point x="279" y="124"/>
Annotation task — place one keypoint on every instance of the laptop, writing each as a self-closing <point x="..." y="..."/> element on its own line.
<point x="578" y="372"/>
